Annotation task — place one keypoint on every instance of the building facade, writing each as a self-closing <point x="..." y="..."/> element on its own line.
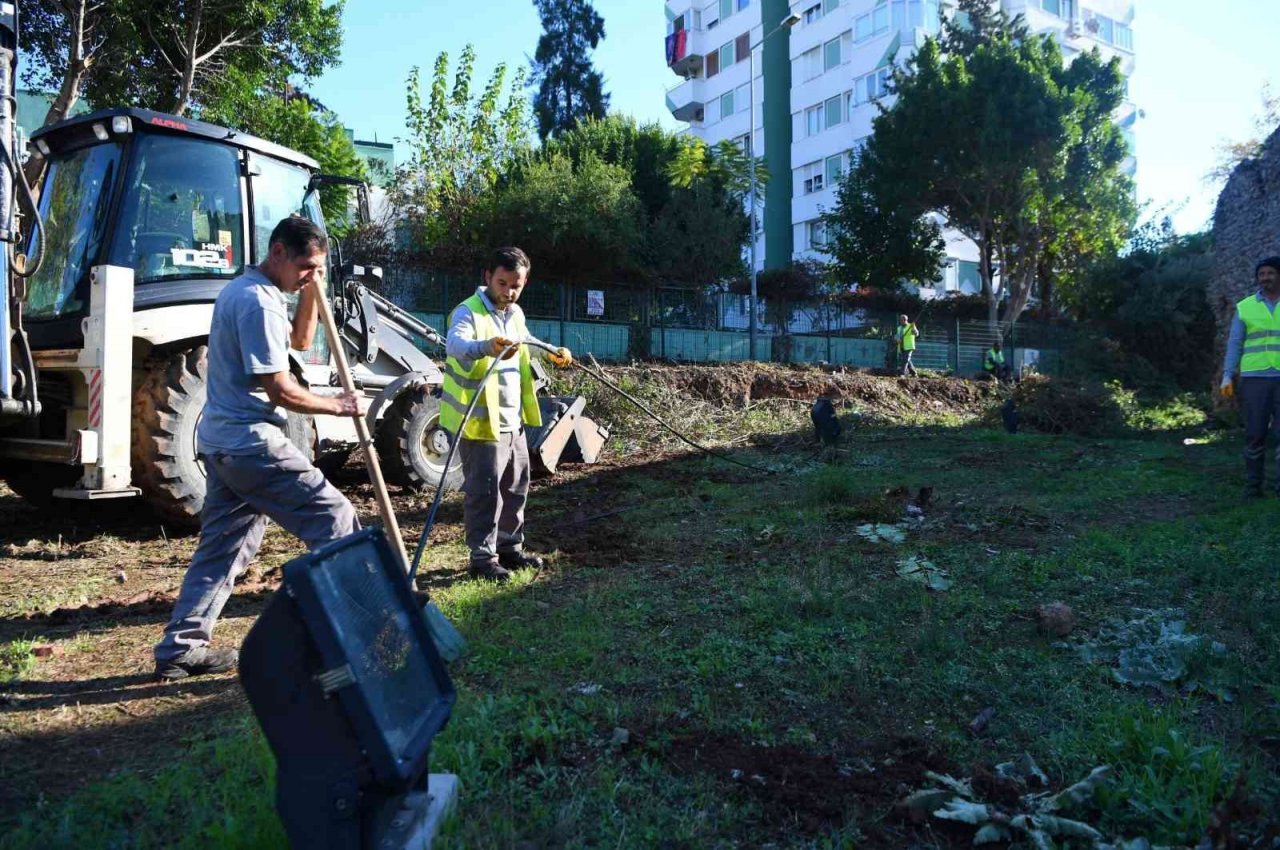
<point x="812" y="91"/>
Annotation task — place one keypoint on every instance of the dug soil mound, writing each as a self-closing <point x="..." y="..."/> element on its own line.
<point x="740" y="384"/>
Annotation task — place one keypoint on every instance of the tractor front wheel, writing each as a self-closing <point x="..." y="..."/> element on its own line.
<point x="412" y="446"/>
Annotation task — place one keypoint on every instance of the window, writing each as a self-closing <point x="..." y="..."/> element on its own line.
<point x="726" y="56"/>
<point x="278" y="192"/>
<point x="726" y="104"/>
<point x="744" y="143"/>
<point x="1106" y="29"/>
<point x="811" y="64"/>
<point x="872" y="24"/>
<point x="181" y="215"/>
<point x="811" y="178"/>
<point x="855" y="153"/>
<point x="834" y="169"/>
<point x="813" y="13"/>
<point x="829" y="6"/>
<point x="816" y="231"/>
<point x="813" y="120"/>
<point x="1124" y="37"/>
<point x="740" y="47"/>
<point x="73" y="205"/>
<point x="1053" y="7"/>
<point x="713" y="63"/>
<point x="726" y="8"/>
<point x="872" y="86"/>
<point x="742" y="4"/>
<point x="831" y="54"/>
<point x="834" y="111"/>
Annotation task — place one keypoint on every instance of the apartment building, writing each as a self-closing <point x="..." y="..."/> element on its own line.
<point x="815" y="85"/>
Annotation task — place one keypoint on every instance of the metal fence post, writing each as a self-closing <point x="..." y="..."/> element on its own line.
<point x="563" y="302"/>
<point x="955" y="348"/>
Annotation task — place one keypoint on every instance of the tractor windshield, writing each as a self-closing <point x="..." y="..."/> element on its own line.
<point x="74" y="208"/>
<point x="180" y="215"/>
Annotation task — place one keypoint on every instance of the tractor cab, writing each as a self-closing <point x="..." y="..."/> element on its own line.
<point x="184" y="204"/>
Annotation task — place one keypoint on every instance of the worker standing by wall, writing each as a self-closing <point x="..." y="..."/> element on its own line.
<point x="495" y="454"/>
<point x="1253" y="348"/>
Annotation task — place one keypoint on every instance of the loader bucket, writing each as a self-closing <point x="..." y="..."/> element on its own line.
<point x="566" y="434"/>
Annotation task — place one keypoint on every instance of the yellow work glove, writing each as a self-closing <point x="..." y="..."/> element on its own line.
<point x="562" y="357"/>
<point x="497" y="344"/>
<point x="1228" y="389"/>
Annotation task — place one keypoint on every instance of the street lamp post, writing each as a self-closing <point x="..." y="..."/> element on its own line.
<point x="787" y="23"/>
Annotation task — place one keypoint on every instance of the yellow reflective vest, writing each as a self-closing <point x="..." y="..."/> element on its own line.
<point x="907" y="337"/>
<point x="461" y="385"/>
<point x="994" y="359"/>
<point x="1261" y="335"/>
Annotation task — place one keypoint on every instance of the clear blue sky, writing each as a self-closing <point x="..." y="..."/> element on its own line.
<point x="1200" y="73"/>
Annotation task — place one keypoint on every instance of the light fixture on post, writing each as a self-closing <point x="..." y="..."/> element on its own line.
<point x="787" y="23"/>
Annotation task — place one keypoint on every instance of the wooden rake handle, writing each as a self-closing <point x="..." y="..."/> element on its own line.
<point x="385" y="510"/>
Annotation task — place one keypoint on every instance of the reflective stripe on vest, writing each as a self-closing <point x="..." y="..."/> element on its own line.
<point x="994" y="359"/>
<point x="1261" y="335"/>
<point x="461" y="385"/>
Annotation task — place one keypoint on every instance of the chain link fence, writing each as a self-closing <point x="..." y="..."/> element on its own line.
<point x="618" y="323"/>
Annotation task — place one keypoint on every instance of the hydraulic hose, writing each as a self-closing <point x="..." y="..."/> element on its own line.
<point x="453" y="444"/>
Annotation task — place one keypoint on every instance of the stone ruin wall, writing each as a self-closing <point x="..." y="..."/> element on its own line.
<point x="1246" y="228"/>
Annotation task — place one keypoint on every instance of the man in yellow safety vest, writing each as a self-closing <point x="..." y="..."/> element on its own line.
<point x="906" y="341"/>
<point x="1253" y="348"/>
<point x="495" y="455"/>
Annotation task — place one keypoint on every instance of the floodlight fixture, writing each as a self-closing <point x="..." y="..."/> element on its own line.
<point x="349" y="690"/>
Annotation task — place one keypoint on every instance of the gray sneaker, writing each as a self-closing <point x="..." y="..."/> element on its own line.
<point x="197" y="662"/>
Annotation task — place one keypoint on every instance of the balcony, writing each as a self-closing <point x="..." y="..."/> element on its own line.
<point x="685" y="101"/>
<point x="681" y="57"/>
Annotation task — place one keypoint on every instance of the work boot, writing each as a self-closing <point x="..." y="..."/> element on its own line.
<point x="491" y="571"/>
<point x="197" y="662"/>
<point x="519" y="560"/>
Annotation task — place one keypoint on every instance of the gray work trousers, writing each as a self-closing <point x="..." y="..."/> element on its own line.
<point x="243" y="492"/>
<point x="1261" y="400"/>
<point x="904" y="357"/>
<point x="496" y="488"/>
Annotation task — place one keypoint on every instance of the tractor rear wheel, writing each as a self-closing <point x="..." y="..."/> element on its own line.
<point x="412" y="446"/>
<point x="166" y="410"/>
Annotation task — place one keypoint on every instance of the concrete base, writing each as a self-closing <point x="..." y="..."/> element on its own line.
<point x="442" y="794"/>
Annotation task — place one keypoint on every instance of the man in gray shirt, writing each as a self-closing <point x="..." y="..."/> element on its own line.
<point x="254" y="472"/>
<point x="1253" y="351"/>
<point x="495" y="455"/>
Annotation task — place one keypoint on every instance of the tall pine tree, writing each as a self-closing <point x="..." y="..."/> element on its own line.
<point x="569" y="87"/>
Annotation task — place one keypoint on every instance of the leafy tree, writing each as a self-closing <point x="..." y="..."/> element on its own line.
<point x="578" y="222"/>
<point x="875" y="237"/>
<point x="175" y="56"/>
<point x="458" y="146"/>
<point x="974" y="23"/>
<point x="1014" y="150"/>
<point x="569" y="87"/>
<point x="1151" y="307"/>
<point x="1231" y="154"/>
<point x="690" y="195"/>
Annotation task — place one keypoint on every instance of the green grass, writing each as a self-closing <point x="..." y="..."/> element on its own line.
<point x="748" y="609"/>
<point x="16" y="660"/>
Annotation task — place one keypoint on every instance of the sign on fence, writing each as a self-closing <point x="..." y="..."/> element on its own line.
<point x="595" y="302"/>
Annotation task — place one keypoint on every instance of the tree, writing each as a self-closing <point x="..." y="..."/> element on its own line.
<point x="974" y="23"/>
<point x="578" y="222"/>
<point x="175" y="55"/>
<point x="876" y="237"/>
<point x="691" y="195"/>
<point x="1231" y="154"/>
<point x="458" y="146"/>
<point x="570" y="89"/>
<point x="1014" y="150"/>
